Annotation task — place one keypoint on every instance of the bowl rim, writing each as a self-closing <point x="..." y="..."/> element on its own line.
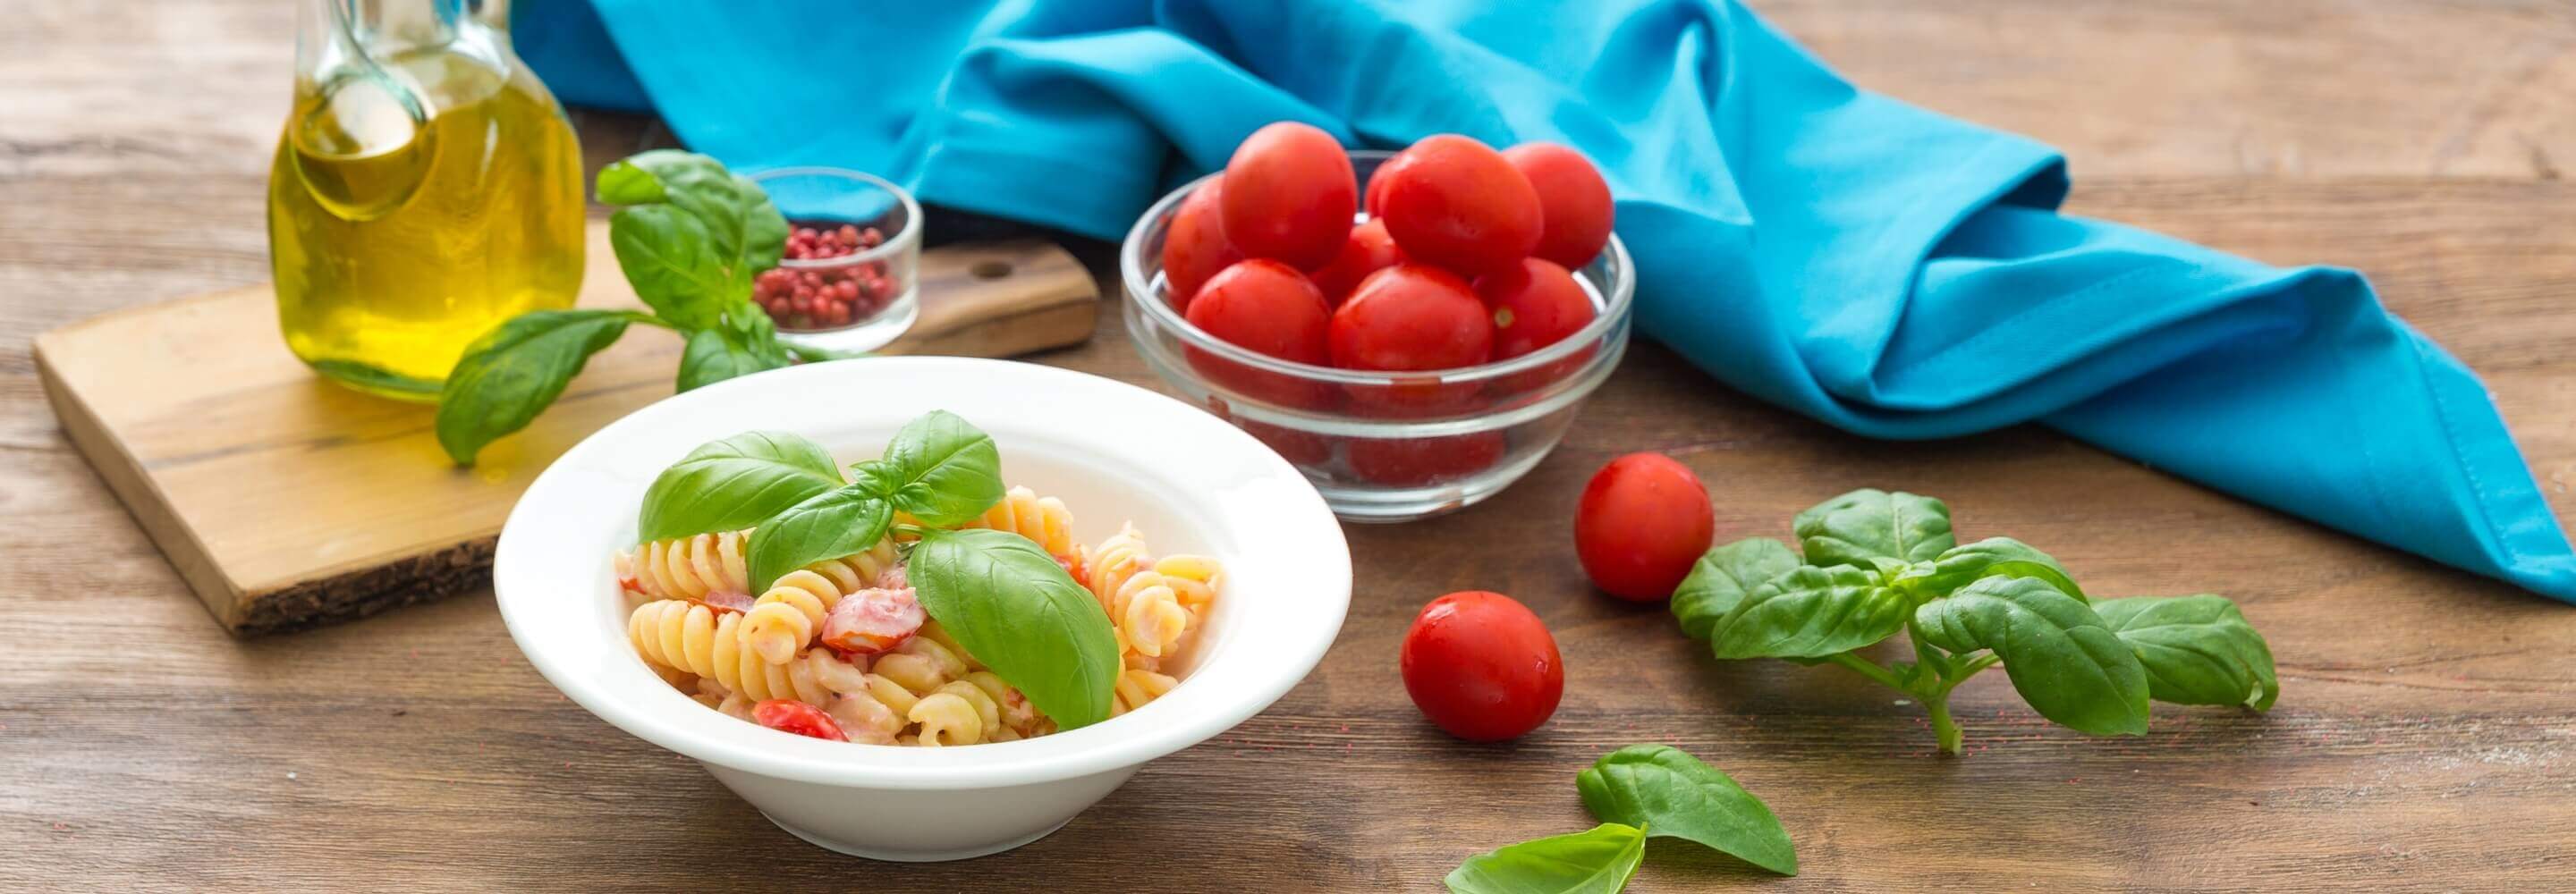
<point x="598" y="669"/>
<point x="903" y="240"/>
<point x="1618" y="299"/>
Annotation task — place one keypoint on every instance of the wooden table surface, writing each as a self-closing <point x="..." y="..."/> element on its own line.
<point x="2425" y="738"/>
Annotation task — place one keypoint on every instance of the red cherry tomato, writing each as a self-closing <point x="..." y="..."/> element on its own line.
<point x="1368" y="250"/>
<point x="1411" y="317"/>
<point x="1535" y="304"/>
<point x="1458" y="203"/>
<point x="1573" y="201"/>
<point x="1195" y="247"/>
<point x="1289" y="195"/>
<point x="1270" y="308"/>
<point x="1375" y="195"/>
<point x="797" y="717"/>
<point x="1642" y="521"/>
<point x="1481" y="666"/>
<point x="1420" y="462"/>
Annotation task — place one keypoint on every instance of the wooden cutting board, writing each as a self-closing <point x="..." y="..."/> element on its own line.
<point x="287" y="501"/>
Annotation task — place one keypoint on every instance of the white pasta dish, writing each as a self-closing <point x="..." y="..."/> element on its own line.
<point x="852" y="646"/>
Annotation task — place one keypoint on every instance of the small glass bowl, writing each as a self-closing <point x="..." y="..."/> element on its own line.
<point x="1382" y="446"/>
<point x="855" y="302"/>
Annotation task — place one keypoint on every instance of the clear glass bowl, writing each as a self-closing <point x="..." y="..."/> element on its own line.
<point x="1382" y="446"/>
<point x="876" y="288"/>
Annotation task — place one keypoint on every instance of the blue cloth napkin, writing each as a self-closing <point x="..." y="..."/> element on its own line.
<point x="1888" y="270"/>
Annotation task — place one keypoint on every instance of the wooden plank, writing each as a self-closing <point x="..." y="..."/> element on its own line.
<point x="243" y="464"/>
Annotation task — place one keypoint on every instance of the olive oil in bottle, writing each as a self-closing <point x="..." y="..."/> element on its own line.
<point x="426" y="189"/>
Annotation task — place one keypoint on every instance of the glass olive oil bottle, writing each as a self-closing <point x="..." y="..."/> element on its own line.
<point x="426" y="189"/>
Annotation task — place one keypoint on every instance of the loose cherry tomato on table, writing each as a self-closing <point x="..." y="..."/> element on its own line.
<point x="1405" y="318"/>
<point x="1270" y="308"/>
<point x="1574" y="203"/>
<point x="1290" y="195"/>
<point x="788" y="716"/>
<point x="1194" y="249"/>
<point x="1459" y="204"/>
<point x="1368" y="250"/>
<point x="1481" y="666"/>
<point x="1642" y="521"/>
<point x="1418" y="462"/>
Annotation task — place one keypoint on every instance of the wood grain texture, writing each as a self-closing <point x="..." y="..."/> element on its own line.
<point x="248" y="469"/>
<point x="2425" y="741"/>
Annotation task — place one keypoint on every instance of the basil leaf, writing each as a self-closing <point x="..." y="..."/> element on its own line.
<point x="1991" y="557"/>
<point x="672" y="263"/>
<point x="626" y="183"/>
<point x="1598" y="861"/>
<point x="2061" y="657"/>
<point x="1719" y="580"/>
<point x="514" y="371"/>
<point x="1809" y="612"/>
<point x="939" y="469"/>
<point x="746" y="343"/>
<point x="828" y="525"/>
<point x="1671" y="794"/>
<point x="1853" y="528"/>
<point x="735" y="483"/>
<point x="2197" y="650"/>
<point x="1018" y="612"/>
<point x="743" y="227"/>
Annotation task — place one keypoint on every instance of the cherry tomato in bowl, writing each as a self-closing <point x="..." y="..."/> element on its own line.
<point x="1641" y="523"/>
<point x="1535" y="304"/>
<point x="1291" y="197"/>
<point x="1421" y="462"/>
<point x="1368" y="250"/>
<point x="1457" y="203"/>
<point x="1269" y="308"/>
<point x="1411" y="317"/>
<point x="1481" y="666"/>
<point x="1574" y="202"/>
<point x="1195" y="248"/>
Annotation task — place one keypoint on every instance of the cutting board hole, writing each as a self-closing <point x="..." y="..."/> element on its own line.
<point x="989" y="269"/>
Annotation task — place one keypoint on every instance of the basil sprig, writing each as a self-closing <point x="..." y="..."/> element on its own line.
<point x="690" y="239"/>
<point x="1002" y="596"/>
<point x="1636" y="792"/>
<point x="1878" y="563"/>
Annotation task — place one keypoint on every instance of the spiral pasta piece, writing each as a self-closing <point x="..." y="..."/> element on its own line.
<point x="1041" y="519"/>
<point x="947" y="718"/>
<point x="688" y="567"/>
<point x="1113" y="562"/>
<point x="1152" y="605"/>
<point x="784" y="619"/>
<point x="693" y="638"/>
<point x="1136" y="687"/>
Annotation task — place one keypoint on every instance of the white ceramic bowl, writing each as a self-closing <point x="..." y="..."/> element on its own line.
<point x="1114" y="452"/>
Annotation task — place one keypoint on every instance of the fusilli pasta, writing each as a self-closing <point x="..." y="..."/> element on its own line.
<point x="688" y="567"/>
<point x="1041" y="519"/>
<point x="701" y="633"/>
<point x="783" y="620"/>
